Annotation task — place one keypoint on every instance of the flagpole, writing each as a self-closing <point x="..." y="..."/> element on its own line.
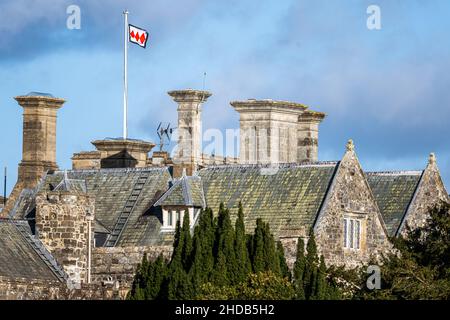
<point x="125" y="76"/>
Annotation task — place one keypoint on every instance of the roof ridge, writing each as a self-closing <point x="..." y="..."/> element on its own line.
<point x="277" y="165"/>
<point x="394" y="172"/>
<point x="146" y="169"/>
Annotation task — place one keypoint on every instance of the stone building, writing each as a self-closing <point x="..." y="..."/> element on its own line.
<point x="79" y="233"/>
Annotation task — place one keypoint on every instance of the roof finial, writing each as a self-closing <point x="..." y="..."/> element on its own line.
<point x="432" y="158"/>
<point x="350" y="146"/>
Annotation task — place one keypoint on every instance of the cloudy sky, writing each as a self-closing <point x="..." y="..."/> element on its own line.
<point x="388" y="89"/>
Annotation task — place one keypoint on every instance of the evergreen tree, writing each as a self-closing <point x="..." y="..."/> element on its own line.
<point x="187" y="242"/>
<point x="321" y="285"/>
<point x="284" y="269"/>
<point x="178" y="284"/>
<point x="299" y="270"/>
<point x="225" y="254"/>
<point x="242" y="255"/>
<point x="258" y="262"/>
<point x="311" y="266"/>
<point x="271" y="258"/>
<point x="157" y="275"/>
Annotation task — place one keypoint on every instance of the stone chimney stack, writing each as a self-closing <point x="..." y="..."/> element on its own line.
<point x="308" y="136"/>
<point x="39" y="136"/>
<point x="188" y="154"/>
<point x="64" y="224"/>
<point x="268" y="130"/>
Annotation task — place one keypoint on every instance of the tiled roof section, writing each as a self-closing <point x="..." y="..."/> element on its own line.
<point x="288" y="198"/>
<point x="17" y="257"/>
<point x="393" y="192"/>
<point x="73" y="185"/>
<point x="187" y="191"/>
<point x="112" y="188"/>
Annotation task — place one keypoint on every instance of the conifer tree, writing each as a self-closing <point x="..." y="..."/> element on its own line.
<point x="157" y="274"/>
<point x="321" y="288"/>
<point x="187" y="243"/>
<point x="242" y="254"/>
<point x="271" y="258"/>
<point x="311" y="266"/>
<point x="177" y="284"/>
<point x="225" y="254"/>
<point x="299" y="270"/>
<point x="258" y="262"/>
<point x="284" y="269"/>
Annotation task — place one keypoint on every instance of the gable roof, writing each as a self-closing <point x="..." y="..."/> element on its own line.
<point x="112" y="188"/>
<point x="289" y="198"/>
<point x="17" y="257"/>
<point x="393" y="192"/>
<point x="187" y="191"/>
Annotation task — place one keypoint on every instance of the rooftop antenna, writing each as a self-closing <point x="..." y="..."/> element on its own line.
<point x="164" y="133"/>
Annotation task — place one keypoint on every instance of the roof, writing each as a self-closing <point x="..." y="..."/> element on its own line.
<point x="187" y="191"/>
<point x="17" y="258"/>
<point x="288" y="198"/>
<point x="72" y="185"/>
<point x="393" y="192"/>
<point x="112" y="188"/>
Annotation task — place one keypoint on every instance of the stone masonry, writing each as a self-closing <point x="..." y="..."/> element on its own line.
<point x="64" y="226"/>
<point x="188" y="154"/>
<point x="430" y="192"/>
<point x="39" y="141"/>
<point x="350" y="197"/>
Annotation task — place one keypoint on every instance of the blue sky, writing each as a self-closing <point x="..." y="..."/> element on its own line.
<point x="387" y="89"/>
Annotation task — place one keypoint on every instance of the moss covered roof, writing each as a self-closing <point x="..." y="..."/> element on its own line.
<point x="393" y="192"/>
<point x="288" y="197"/>
<point x="187" y="191"/>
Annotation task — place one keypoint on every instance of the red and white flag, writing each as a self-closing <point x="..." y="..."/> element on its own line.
<point x="137" y="35"/>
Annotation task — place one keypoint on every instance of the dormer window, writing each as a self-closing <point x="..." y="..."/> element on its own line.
<point x="352" y="233"/>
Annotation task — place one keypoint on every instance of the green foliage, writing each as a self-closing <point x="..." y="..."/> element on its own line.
<point x="260" y="286"/>
<point x="243" y="264"/>
<point x="420" y="269"/>
<point x="299" y="270"/>
<point x="284" y="269"/>
<point x="223" y="262"/>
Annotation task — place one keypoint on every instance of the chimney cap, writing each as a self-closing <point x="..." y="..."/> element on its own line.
<point x="189" y="95"/>
<point x="268" y="104"/>
<point x="39" y="94"/>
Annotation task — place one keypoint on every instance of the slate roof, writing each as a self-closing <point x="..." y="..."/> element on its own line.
<point x="289" y="199"/>
<point x="17" y="257"/>
<point x="112" y="188"/>
<point x="186" y="191"/>
<point x="393" y="192"/>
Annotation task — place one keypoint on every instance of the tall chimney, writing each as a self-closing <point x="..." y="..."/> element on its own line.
<point x="268" y="130"/>
<point x="188" y="154"/>
<point x="39" y="136"/>
<point x="308" y="136"/>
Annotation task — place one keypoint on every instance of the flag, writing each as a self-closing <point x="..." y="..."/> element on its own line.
<point x="137" y="35"/>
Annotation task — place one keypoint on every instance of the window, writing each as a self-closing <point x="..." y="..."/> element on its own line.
<point x="169" y="213"/>
<point x="352" y="233"/>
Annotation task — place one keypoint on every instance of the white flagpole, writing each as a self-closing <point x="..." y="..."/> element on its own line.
<point x="125" y="77"/>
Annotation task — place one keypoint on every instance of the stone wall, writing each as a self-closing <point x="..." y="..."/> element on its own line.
<point x="430" y="192"/>
<point x="26" y="289"/>
<point x="350" y="197"/>
<point x="118" y="264"/>
<point x="63" y="224"/>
